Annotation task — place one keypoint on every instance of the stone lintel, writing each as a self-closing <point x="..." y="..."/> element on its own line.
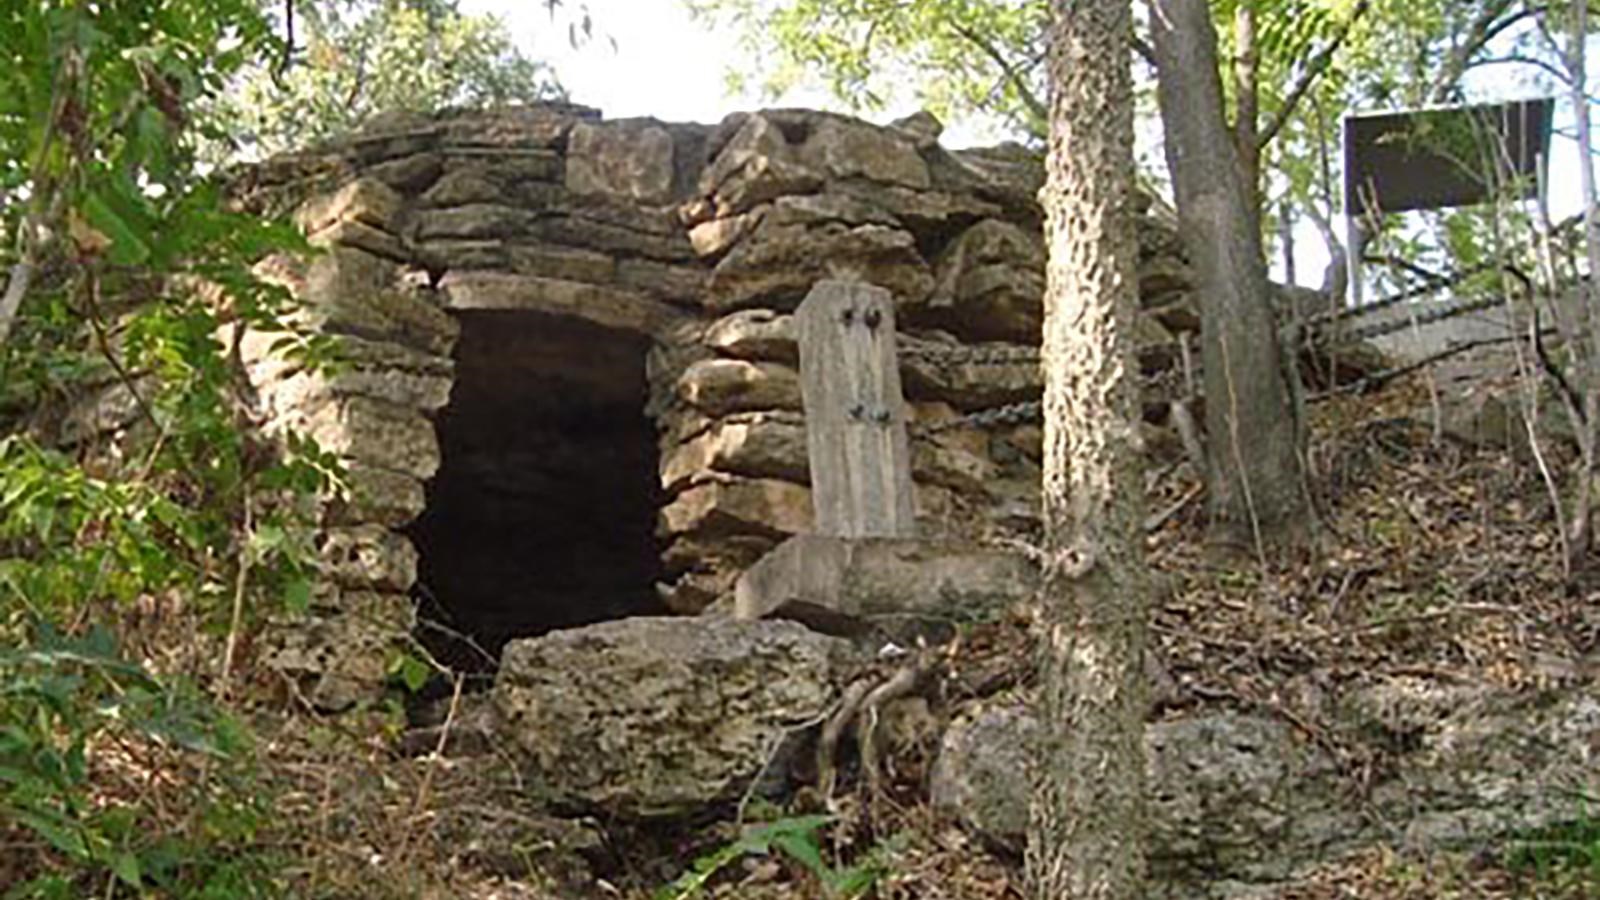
<point x="851" y="586"/>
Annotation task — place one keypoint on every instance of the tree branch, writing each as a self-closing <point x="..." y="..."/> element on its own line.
<point x="1313" y="71"/>
<point x="1029" y="99"/>
<point x="1485" y="28"/>
<point x="16" y="289"/>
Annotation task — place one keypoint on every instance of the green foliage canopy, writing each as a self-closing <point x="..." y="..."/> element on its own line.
<point x="354" y="59"/>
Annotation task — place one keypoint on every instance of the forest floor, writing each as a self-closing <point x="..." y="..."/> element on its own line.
<point x="1431" y="559"/>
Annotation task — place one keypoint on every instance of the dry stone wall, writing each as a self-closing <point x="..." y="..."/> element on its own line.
<point x="700" y="240"/>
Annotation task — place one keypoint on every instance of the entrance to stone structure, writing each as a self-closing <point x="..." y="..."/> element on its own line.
<point x="543" y="513"/>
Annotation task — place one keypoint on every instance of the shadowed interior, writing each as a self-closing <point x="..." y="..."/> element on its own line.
<point x="543" y="513"/>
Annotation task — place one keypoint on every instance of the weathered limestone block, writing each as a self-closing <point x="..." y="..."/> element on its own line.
<point x="265" y="355"/>
<point x="367" y="556"/>
<point x="681" y="284"/>
<point x="409" y="174"/>
<point x="731" y="552"/>
<point x="753" y="506"/>
<point x="818" y="209"/>
<point x="982" y="770"/>
<point x="383" y="371"/>
<point x="991" y="284"/>
<point x="513" y="166"/>
<point x="567" y="263"/>
<point x="845" y="147"/>
<point x="341" y="654"/>
<point x="444" y="254"/>
<point x="661" y="716"/>
<point x="929" y="214"/>
<point x="1217" y="785"/>
<point x="713" y="238"/>
<point x="538" y="125"/>
<point x="365" y="200"/>
<point x="369" y="431"/>
<point x="475" y="220"/>
<point x="922" y="128"/>
<point x="989" y="242"/>
<point x="958" y="460"/>
<point x="755" y="166"/>
<point x="347" y="291"/>
<point x="759" y="445"/>
<point x="628" y="160"/>
<point x="361" y="236"/>
<point x="1178" y="313"/>
<point x="464" y="186"/>
<point x="1009" y="174"/>
<point x="1164" y="274"/>
<point x="704" y="591"/>
<point x="778" y="264"/>
<point x="377" y="496"/>
<point x="755" y="334"/>
<point x="846" y="586"/>
<point x="631" y="231"/>
<point x="612" y="307"/>
<point x="929" y="374"/>
<point x="725" y="386"/>
<point x="393" y="135"/>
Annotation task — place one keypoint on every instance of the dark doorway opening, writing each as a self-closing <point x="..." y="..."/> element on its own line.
<point x="543" y="513"/>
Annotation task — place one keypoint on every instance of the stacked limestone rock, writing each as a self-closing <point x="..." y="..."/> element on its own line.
<point x="702" y="240"/>
<point x="791" y="197"/>
<point x="393" y="344"/>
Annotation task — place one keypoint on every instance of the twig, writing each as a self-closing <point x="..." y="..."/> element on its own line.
<point x="425" y="789"/>
<point x="771" y="756"/>
<point x="1154" y="522"/>
<point x="901" y="683"/>
<point x="828" y="743"/>
<point x="241" y="580"/>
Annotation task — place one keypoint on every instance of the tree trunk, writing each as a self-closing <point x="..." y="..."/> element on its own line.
<point x="1255" y="474"/>
<point x="1247" y="104"/>
<point x="1581" y="540"/>
<point x="1087" y="815"/>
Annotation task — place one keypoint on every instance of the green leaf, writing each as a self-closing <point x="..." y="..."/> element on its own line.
<point x="126" y="868"/>
<point x="297" y="595"/>
<point x="803" y="849"/>
<point x="60" y="832"/>
<point x="127" y="247"/>
<point x="414" y="673"/>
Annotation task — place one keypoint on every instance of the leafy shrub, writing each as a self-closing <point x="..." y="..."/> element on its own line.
<point x="796" y="838"/>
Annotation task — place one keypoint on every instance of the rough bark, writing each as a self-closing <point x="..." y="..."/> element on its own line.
<point x="1255" y="474"/>
<point x="1247" y="103"/>
<point x="1581" y="541"/>
<point x="1086" y="818"/>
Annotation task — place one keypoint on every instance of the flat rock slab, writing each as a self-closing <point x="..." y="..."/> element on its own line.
<point x="649" y="717"/>
<point x="898" y="585"/>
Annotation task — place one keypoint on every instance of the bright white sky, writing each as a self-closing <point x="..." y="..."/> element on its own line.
<point x="668" y="66"/>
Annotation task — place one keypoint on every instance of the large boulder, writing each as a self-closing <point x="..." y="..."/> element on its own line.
<point x="651" y="717"/>
<point x="1249" y="799"/>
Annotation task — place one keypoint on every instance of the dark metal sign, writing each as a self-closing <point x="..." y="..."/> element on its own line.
<point x="1437" y="158"/>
